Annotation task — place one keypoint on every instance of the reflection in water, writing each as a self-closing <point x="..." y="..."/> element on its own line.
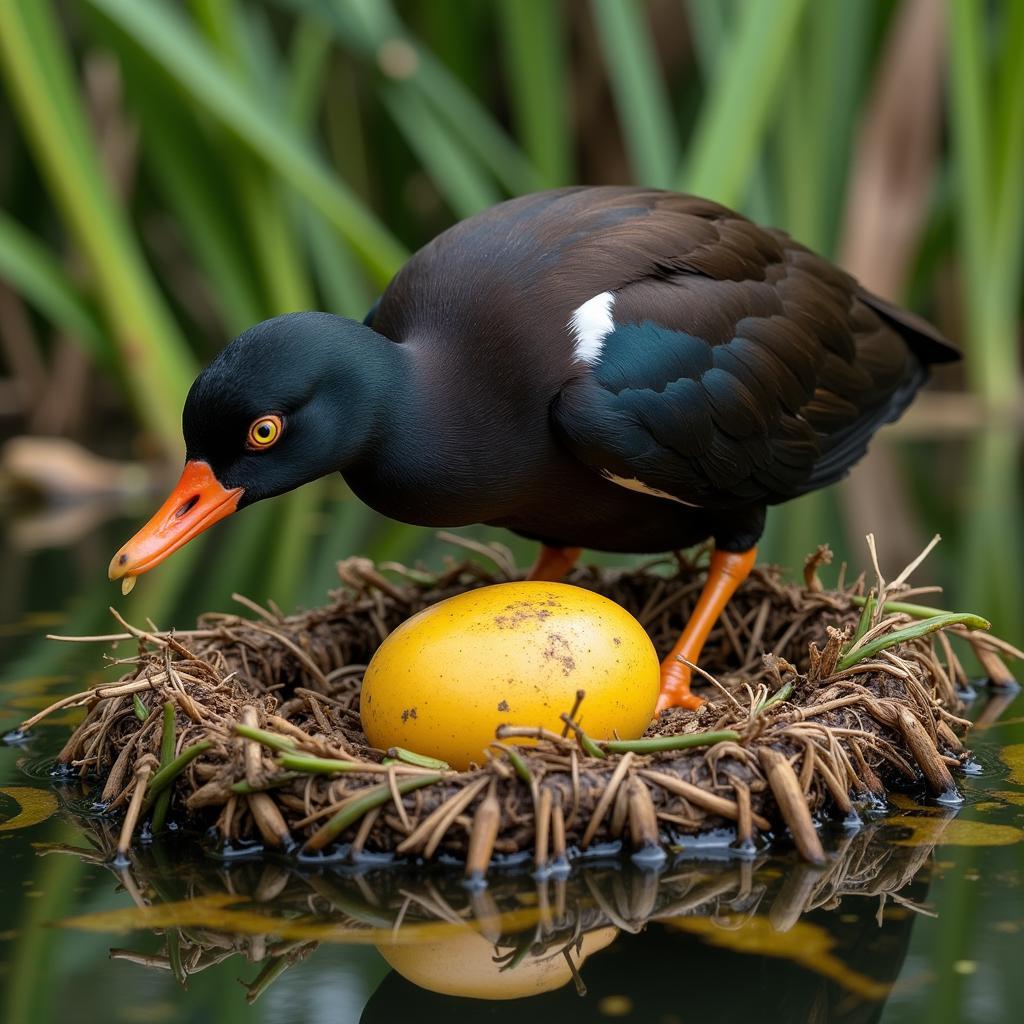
<point x="471" y="965"/>
<point x="644" y="978"/>
<point x="31" y="806"/>
<point x="520" y="937"/>
<point x="1013" y="758"/>
<point x="957" y="833"/>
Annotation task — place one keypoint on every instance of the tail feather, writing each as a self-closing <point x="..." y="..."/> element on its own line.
<point x="844" y="449"/>
<point x="924" y="340"/>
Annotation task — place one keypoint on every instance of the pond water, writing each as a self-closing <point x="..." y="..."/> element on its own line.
<point x="919" y="914"/>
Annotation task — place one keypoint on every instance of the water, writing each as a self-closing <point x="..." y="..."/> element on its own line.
<point x="918" y="916"/>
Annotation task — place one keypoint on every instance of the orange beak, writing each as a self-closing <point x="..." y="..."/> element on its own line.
<point x="197" y="502"/>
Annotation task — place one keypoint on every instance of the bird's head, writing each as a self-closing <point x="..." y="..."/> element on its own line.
<point x="290" y="400"/>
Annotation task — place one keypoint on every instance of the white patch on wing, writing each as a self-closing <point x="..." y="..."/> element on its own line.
<point x="638" y="485"/>
<point x="590" y="325"/>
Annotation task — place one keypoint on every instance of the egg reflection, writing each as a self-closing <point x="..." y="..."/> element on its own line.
<point x="468" y="965"/>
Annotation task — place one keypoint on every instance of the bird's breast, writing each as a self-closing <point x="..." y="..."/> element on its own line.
<point x="465" y="443"/>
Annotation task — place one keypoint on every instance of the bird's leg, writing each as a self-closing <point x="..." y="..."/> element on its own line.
<point x="553" y="563"/>
<point x="727" y="571"/>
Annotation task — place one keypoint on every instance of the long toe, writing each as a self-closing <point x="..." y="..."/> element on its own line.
<point x="675" y="688"/>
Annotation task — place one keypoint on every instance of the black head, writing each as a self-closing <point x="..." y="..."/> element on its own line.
<point x="281" y="405"/>
<point x="290" y="400"/>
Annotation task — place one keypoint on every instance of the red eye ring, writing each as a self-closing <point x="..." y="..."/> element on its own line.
<point x="264" y="432"/>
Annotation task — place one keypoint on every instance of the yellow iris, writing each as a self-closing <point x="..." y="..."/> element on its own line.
<point x="264" y="431"/>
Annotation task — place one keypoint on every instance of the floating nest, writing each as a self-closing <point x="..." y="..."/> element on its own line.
<point x="248" y="726"/>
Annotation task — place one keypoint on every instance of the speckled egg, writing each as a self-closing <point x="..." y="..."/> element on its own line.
<point x="515" y="654"/>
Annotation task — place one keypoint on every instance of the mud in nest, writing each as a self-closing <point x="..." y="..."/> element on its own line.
<point x="249" y="726"/>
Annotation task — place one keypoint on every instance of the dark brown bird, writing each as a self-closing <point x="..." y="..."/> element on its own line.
<point x="614" y="368"/>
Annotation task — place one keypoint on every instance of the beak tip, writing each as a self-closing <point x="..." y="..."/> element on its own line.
<point x="198" y="501"/>
<point x="118" y="566"/>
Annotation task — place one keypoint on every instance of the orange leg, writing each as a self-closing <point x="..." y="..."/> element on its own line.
<point x="726" y="572"/>
<point x="553" y="563"/>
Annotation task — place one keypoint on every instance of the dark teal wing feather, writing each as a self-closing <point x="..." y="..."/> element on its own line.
<point x="746" y="371"/>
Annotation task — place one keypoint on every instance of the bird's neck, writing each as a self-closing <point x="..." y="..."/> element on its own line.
<point x="369" y="391"/>
<point x="447" y="441"/>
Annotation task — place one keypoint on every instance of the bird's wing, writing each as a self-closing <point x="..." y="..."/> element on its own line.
<point x="736" y="367"/>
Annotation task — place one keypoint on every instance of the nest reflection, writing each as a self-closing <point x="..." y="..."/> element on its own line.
<point x="519" y="935"/>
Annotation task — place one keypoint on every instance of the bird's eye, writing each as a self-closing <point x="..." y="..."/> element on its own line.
<point x="265" y="431"/>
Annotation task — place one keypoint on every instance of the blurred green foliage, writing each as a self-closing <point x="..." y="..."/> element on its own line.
<point x="172" y="172"/>
<point x="300" y="149"/>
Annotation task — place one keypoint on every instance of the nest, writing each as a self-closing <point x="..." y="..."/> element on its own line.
<point x="248" y="727"/>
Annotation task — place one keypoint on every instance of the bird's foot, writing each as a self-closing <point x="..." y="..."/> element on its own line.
<point x="553" y="563"/>
<point x="675" y="687"/>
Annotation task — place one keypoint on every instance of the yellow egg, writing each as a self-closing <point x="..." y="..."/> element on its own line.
<point x="515" y="654"/>
<point x="466" y="964"/>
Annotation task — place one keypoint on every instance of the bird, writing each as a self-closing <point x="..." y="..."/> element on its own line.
<point x="607" y="367"/>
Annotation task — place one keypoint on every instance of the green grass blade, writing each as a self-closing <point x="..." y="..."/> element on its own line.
<point x="167" y="742"/>
<point x="294" y="537"/>
<point x="141" y="711"/>
<point x="161" y="779"/>
<point x="183" y="155"/>
<point x="866" y="614"/>
<point x="840" y="56"/>
<point x="269" y="739"/>
<point x="709" y="24"/>
<point x="971" y="149"/>
<point x="345" y="526"/>
<point x="817" y="118"/>
<point x="916" y="611"/>
<point x="534" y="37"/>
<point x="184" y="174"/>
<point x="1006" y="254"/>
<point x="317" y="765"/>
<point x="308" y="52"/>
<point x="370" y="25"/>
<point x="38" y="277"/>
<point x="800" y="159"/>
<point x="419" y="760"/>
<point x="737" y="109"/>
<point x="338" y="275"/>
<point x="685" y="741"/>
<point x="992" y="548"/>
<point x="246" y="54"/>
<point x="187" y="169"/>
<point x="171" y="41"/>
<point x="357" y="806"/>
<point x="645" y="115"/>
<point x="286" y="286"/>
<point x="452" y="30"/>
<point x="478" y="132"/>
<point x="157" y="365"/>
<point x="988" y="161"/>
<point x="783" y="693"/>
<point x="913" y="632"/>
<point x="971" y="136"/>
<point x="456" y="177"/>
<point x="275" y="227"/>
